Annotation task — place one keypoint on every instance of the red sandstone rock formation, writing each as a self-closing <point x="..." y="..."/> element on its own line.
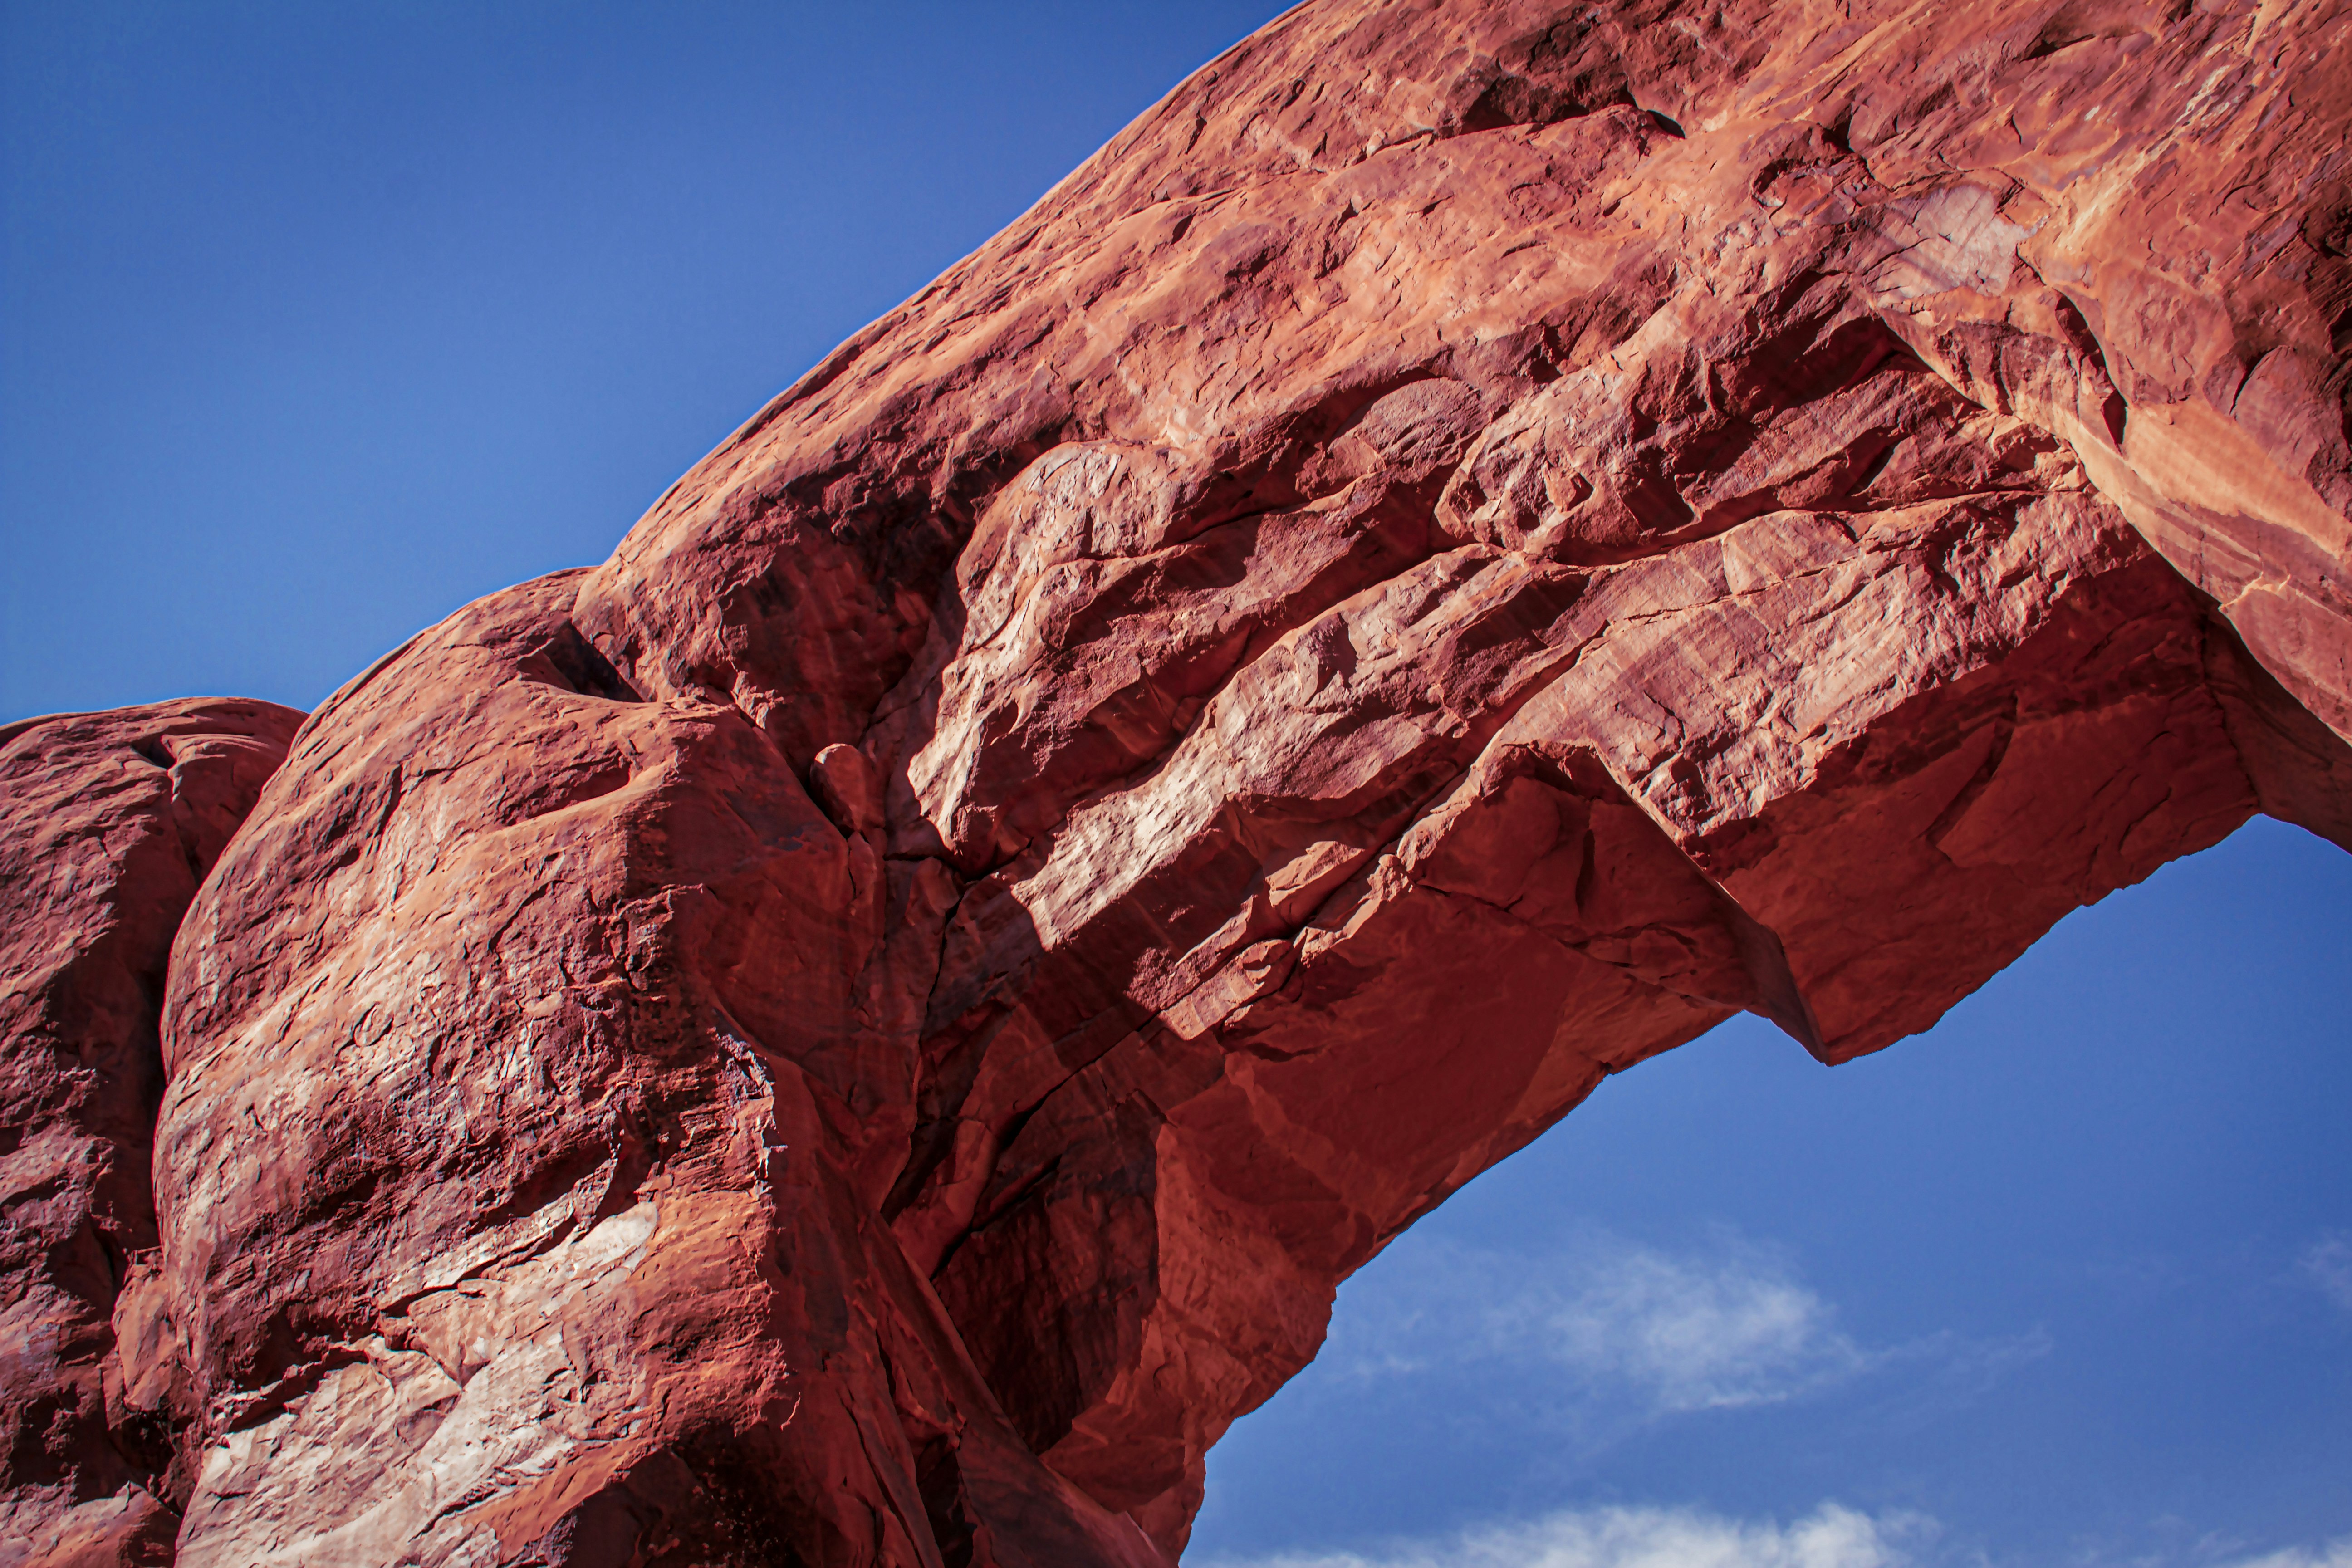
<point x="108" y="821"/>
<point x="1471" y="543"/>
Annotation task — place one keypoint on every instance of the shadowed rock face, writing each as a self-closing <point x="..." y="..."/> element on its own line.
<point x="1471" y="543"/>
<point x="108" y="821"/>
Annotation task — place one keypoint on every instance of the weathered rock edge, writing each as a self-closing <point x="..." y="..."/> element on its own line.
<point x="1469" y="544"/>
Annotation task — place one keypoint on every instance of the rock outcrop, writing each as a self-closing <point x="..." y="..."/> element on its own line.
<point x="1471" y="543"/>
<point x="107" y="822"/>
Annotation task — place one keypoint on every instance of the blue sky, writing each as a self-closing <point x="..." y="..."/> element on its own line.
<point x="322" y="320"/>
<point x="317" y="322"/>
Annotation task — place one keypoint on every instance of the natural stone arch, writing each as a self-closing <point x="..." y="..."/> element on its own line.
<point x="1469" y="544"/>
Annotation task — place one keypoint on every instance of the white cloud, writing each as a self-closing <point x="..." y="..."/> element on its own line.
<point x="2328" y="1261"/>
<point x="1626" y="1327"/>
<point x="1732" y="1328"/>
<point x="1830" y="1537"/>
<point x="2334" y="1555"/>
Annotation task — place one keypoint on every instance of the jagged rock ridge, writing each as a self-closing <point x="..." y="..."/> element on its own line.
<point x="1469" y="544"/>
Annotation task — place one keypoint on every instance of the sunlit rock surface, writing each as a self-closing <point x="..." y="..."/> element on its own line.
<point x="1471" y="543"/>
<point x="107" y="822"/>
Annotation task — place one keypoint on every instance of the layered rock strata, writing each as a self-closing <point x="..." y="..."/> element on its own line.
<point x="1470" y="544"/>
<point x="107" y="822"/>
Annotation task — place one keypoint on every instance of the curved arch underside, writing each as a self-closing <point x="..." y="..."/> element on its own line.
<point x="1470" y="544"/>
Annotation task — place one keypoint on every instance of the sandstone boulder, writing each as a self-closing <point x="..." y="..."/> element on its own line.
<point x="108" y="823"/>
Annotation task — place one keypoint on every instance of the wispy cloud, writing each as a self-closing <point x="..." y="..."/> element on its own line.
<point x="2334" y="1555"/>
<point x="2328" y="1261"/>
<point x="1830" y="1537"/>
<point x="1733" y="1327"/>
<point x="1641" y="1330"/>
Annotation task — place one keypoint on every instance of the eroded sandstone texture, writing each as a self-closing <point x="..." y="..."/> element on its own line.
<point x="1471" y="543"/>
<point x="107" y="822"/>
